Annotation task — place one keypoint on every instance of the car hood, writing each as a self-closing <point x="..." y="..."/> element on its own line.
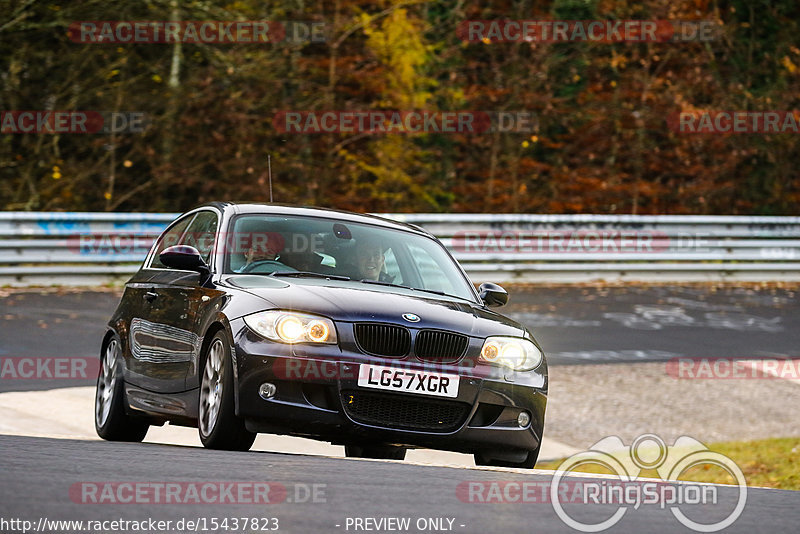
<point x="351" y="301"/>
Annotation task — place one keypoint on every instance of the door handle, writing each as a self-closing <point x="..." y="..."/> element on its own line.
<point x="150" y="296"/>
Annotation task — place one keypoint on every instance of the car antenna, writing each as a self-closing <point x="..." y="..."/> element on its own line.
<point x="269" y="172"/>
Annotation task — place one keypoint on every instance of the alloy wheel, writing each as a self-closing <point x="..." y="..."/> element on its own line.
<point x="211" y="387"/>
<point x="106" y="383"/>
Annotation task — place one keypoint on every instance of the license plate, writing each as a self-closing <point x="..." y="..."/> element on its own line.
<point x="408" y="381"/>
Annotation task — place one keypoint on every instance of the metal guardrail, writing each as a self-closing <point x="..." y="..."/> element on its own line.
<point x="46" y="248"/>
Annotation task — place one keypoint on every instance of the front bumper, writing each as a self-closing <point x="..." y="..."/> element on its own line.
<point x="318" y="397"/>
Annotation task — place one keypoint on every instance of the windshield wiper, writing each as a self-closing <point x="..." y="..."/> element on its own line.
<point x="309" y="274"/>
<point x="380" y="283"/>
<point x="442" y="293"/>
<point x="434" y="291"/>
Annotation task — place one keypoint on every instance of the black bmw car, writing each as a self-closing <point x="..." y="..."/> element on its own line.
<point x="353" y="329"/>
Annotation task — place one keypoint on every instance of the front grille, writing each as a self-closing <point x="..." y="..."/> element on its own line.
<point x="403" y="412"/>
<point x="438" y="346"/>
<point x="383" y="339"/>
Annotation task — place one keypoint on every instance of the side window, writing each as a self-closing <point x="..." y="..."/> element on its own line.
<point x="432" y="275"/>
<point x="169" y="238"/>
<point x="201" y="233"/>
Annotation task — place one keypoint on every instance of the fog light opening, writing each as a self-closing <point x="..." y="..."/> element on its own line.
<point x="523" y="419"/>
<point x="267" y="390"/>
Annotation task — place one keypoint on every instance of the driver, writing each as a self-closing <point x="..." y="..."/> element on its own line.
<point x="263" y="247"/>
<point x="369" y="261"/>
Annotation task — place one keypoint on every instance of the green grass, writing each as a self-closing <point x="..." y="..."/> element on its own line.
<point x="770" y="463"/>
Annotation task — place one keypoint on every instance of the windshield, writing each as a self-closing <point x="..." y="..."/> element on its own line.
<point x="279" y="245"/>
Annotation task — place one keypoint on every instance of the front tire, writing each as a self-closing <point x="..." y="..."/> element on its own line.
<point x="110" y="420"/>
<point x="217" y="422"/>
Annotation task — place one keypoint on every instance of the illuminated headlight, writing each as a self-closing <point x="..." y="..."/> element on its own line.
<point x="291" y="327"/>
<point x="513" y="352"/>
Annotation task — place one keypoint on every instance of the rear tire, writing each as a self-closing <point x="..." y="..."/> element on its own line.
<point x="110" y="420"/>
<point x="217" y="423"/>
<point x="483" y="458"/>
<point x="379" y="452"/>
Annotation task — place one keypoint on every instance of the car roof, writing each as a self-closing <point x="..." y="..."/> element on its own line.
<point x="237" y="208"/>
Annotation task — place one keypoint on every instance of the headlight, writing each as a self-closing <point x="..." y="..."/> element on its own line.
<point x="291" y="327"/>
<point x="513" y="352"/>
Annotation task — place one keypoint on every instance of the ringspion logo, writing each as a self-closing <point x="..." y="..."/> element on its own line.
<point x="647" y="452"/>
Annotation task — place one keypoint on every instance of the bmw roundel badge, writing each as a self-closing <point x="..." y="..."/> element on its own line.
<point x="411" y="317"/>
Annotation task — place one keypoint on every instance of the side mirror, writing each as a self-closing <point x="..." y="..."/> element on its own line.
<point x="184" y="258"/>
<point x="492" y="294"/>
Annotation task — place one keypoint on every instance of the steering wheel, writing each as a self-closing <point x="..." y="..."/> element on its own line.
<point x="251" y="267"/>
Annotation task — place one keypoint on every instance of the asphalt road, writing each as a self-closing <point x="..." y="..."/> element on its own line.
<point x="38" y="474"/>
<point x="52" y="324"/>
<point x="573" y="324"/>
